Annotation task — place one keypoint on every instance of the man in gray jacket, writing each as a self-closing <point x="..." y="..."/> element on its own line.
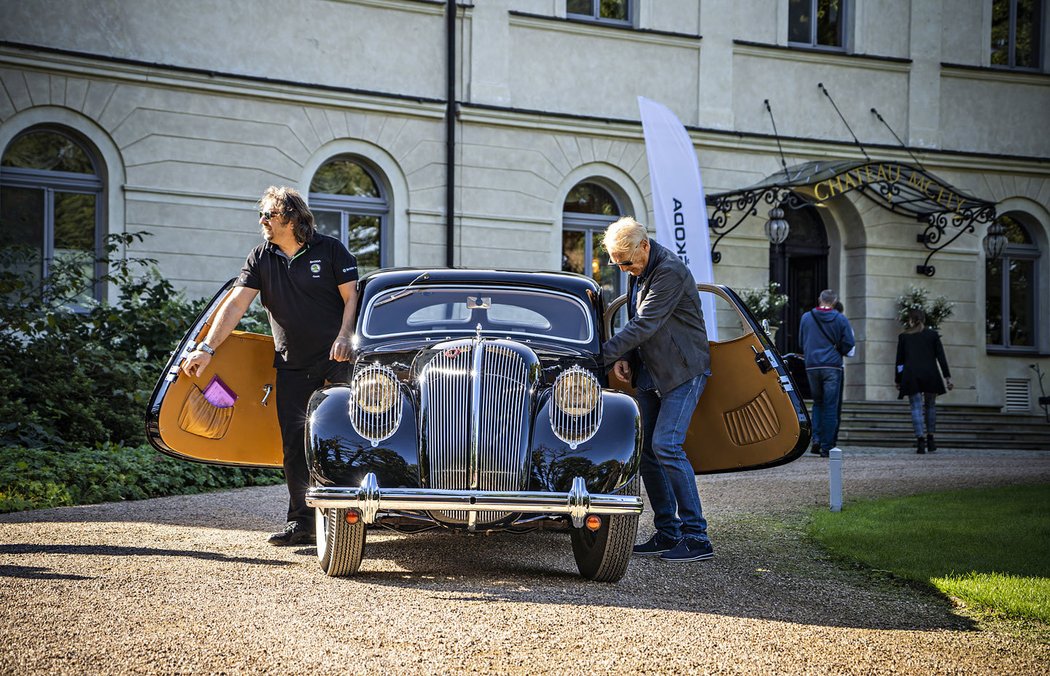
<point x="663" y="351"/>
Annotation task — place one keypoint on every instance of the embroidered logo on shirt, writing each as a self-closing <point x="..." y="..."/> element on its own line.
<point x="315" y="268"/>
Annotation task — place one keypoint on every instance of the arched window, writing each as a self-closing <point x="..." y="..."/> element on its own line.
<point x="51" y="210"/>
<point x="1011" y="283"/>
<point x="349" y="204"/>
<point x="588" y="210"/>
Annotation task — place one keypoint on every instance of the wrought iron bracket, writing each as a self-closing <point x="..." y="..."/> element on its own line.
<point x="904" y="189"/>
<point x="746" y="204"/>
<point x="937" y="235"/>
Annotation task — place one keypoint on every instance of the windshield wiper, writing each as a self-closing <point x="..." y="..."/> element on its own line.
<point x="405" y="291"/>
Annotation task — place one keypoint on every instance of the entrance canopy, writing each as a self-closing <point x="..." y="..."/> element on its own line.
<point x="903" y="188"/>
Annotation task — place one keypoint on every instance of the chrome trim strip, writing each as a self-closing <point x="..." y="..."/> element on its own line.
<point x="477" y="365"/>
<point x="370" y="499"/>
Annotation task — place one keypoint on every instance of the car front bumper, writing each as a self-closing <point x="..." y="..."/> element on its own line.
<point x="369" y="499"/>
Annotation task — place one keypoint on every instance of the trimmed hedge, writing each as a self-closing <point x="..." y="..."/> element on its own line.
<point x="37" y="478"/>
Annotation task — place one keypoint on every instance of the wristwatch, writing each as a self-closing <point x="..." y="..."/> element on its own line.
<point x="204" y="347"/>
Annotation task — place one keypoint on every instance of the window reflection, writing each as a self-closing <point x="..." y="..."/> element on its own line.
<point x="817" y="22"/>
<point x="588" y="210"/>
<point x="1016" y="35"/>
<point x="50" y="211"/>
<point x="349" y="204"/>
<point x="1010" y="289"/>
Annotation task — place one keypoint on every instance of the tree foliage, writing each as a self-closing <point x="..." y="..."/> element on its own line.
<point x="75" y="372"/>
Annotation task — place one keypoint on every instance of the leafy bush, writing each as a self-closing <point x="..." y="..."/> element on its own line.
<point x="75" y="372"/>
<point x="36" y="478"/>
<point x="765" y="303"/>
<point x="917" y="298"/>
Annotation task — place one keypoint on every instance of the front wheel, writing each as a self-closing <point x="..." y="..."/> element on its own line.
<point x="603" y="555"/>
<point x="340" y="546"/>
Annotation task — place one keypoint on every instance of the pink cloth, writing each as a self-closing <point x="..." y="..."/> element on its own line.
<point x="219" y="393"/>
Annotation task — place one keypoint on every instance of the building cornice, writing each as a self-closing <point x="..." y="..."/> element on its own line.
<point x="93" y="66"/>
<point x="822" y="56"/>
<point x="717" y="139"/>
<point x="52" y="60"/>
<point x="998" y="75"/>
<point x="595" y="29"/>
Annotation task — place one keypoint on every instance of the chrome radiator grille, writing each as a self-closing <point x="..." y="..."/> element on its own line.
<point x="475" y="422"/>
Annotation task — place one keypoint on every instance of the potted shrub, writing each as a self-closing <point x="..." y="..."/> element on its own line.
<point x="765" y="304"/>
<point x="937" y="310"/>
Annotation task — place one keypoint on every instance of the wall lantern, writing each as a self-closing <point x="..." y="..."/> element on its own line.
<point x="994" y="242"/>
<point x="777" y="229"/>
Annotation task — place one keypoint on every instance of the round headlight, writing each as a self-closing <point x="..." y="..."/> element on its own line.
<point x="576" y="392"/>
<point x="576" y="413"/>
<point x="375" y="390"/>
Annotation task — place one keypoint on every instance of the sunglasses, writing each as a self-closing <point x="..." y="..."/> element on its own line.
<point x="267" y="215"/>
<point x="622" y="264"/>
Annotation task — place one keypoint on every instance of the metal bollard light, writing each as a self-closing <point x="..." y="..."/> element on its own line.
<point x="835" y="478"/>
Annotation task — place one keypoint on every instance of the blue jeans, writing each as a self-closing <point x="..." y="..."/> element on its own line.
<point x="923" y="406"/>
<point x="669" y="478"/>
<point x="825" y="384"/>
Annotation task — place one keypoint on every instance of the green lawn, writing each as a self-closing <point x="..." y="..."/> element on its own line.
<point x="989" y="547"/>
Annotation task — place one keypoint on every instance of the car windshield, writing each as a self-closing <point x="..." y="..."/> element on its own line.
<point x="460" y="309"/>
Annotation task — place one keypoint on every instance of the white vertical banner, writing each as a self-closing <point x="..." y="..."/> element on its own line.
<point x="678" y="197"/>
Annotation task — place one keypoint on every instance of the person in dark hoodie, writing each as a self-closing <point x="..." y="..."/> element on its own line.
<point x="919" y="352"/>
<point x="826" y="336"/>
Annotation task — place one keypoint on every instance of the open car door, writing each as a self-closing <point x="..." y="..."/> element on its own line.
<point x="227" y="414"/>
<point x="750" y="415"/>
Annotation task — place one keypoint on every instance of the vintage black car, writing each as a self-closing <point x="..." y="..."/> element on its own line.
<point x="478" y="402"/>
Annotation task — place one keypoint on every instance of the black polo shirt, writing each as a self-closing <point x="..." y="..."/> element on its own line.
<point x="301" y="296"/>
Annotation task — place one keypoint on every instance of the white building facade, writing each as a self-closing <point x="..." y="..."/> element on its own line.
<point x="173" y="117"/>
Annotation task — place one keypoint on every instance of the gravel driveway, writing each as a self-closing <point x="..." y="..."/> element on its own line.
<point x="188" y="584"/>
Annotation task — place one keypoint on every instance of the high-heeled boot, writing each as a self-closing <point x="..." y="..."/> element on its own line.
<point x="930" y="446"/>
<point x="920" y="443"/>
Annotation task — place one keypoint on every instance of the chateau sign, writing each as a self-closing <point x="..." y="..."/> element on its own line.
<point x="887" y="178"/>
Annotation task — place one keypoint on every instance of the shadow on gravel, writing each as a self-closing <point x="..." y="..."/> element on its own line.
<point x="111" y="550"/>
<point x="37" y="573"/>
<point x="539" y="568"/>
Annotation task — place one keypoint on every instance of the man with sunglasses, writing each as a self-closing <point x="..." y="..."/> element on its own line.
<point x="663" y="351"/>
<point x="308" y="286"/>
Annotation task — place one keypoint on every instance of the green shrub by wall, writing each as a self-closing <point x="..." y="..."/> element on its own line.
<point x="35" y="478"/>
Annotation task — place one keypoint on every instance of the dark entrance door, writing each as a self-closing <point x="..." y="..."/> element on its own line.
<point x="800" y="266"/>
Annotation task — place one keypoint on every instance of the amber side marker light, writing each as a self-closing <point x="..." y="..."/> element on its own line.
<point x="352" y="517"/>
<point x="593" y="523"/>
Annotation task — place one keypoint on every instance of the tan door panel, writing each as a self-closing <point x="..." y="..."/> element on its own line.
<point x="249" y="436"/>
<point x="746" y="419"/>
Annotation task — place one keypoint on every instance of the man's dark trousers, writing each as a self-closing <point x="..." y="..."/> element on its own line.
<point x="294" y="387"/>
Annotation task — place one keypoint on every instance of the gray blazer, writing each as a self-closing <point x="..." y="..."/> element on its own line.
<point x="666" y="327"/>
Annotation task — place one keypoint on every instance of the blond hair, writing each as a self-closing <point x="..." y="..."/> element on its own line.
<point x="624" y="235"/>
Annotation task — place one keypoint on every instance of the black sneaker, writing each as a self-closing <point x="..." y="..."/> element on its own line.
<point x="815" y="449"/>
<point x="657" y="544"/>
<point x="689" y="549"/>
<point x="295" y="533"/>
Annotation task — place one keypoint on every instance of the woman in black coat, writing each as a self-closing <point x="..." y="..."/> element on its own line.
<point x="919" y="352"/>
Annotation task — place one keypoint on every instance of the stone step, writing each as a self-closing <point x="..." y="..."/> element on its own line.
<point x="888" y="424"/>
